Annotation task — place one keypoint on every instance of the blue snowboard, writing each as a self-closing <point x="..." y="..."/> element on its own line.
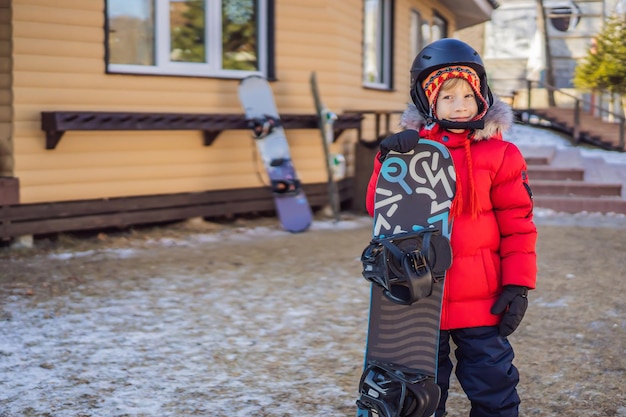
<point x="292" y="207"/>
<point x="406" y="263"/>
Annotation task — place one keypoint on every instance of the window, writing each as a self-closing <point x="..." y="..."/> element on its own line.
<point x="377" y="43"/>
<point x="420" y="32"/>
<point x="440" y="28"/>
<point x="426" y="37"/>
<point x="207" y="38"/>
<point x="565" y="18"/>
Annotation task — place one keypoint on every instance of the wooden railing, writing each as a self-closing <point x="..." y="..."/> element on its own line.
<point x="382" y="125"/>
<point x="579" y="105"/>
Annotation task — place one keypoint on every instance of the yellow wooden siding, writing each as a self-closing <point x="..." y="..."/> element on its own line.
<point x="6" y="114"/>
<point x="58" y="64"/>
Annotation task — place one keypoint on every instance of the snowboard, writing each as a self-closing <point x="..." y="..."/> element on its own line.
<point x="326" y="120"/>
<point x="292" y="207"/>
<point x="406" y="262"/>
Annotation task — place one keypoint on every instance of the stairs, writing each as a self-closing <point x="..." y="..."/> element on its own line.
<point x="593" y="131"/>
<point x="565" y="181"/>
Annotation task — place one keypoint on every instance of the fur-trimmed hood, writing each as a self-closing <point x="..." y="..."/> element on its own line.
<point x="498" y="119"/>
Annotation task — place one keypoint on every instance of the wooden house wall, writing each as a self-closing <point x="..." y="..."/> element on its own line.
<point x="58" y="64"/>
<point x="6" y="144"/>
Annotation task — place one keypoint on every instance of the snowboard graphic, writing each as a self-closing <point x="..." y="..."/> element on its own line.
<point x="406" y="263"/>
<point x="326" y="121"/>
<point x="291" y="203"/>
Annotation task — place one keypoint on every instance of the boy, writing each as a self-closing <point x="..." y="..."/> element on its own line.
<point x="493" y="234"/>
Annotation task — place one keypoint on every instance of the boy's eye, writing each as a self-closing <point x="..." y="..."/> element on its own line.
<point x="470" y="95"/>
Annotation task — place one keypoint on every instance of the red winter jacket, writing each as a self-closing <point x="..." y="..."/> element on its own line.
<point x="497" y="247"/>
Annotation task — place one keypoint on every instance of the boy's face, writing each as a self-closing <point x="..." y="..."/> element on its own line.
<point x="456" y="102"/>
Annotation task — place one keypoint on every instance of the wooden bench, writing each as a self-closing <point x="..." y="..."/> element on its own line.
<point x="56" y="123"/>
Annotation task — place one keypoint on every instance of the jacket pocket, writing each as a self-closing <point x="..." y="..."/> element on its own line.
<point x="491" y="265"/>
<point x="530" y="193"/>
<point x="473" y="277"/>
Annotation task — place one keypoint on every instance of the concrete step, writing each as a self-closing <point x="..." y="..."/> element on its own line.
<point x="564" y="180"/>
<point x="537" y="160"/>
<point x="568" y="157"/>
<point x="537" y="155"/>
<point x="575" y="188"/>
<point x="580" y="204"/>
<point x="547" y="172"/>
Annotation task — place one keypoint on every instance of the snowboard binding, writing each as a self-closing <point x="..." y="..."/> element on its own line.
<point x="263" y="126"/>
<point x="388" y="392"/>
<point x="407" y="265"/>
<point x="285" y="187"/>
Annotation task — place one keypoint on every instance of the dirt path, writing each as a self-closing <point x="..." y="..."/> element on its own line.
<point x="242" y="319"/>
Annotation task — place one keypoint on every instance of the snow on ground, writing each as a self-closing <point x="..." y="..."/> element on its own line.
<point x="185" y="324"/>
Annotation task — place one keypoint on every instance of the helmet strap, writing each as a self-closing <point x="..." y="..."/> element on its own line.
<point x="474" y="124"/>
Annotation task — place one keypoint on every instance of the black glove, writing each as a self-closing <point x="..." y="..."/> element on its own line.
<point x="403" y="142"/>
<point x="513" y="303"/>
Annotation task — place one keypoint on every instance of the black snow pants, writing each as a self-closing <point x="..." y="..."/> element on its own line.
<point x="484" y="369"/>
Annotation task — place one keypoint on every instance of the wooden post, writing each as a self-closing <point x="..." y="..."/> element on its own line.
<point x="576" y="132"/>
<point x="621" y="133"/>
<point x="9" y="190"/>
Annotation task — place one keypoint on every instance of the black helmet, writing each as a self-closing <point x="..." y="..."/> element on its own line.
<point x="444" y="53"/>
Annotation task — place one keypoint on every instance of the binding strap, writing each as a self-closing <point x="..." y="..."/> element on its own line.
<point x="393" y="391"/>
<point x="407" y="265"/>
<point x="416" y="270"/>
<point x="263" y="126"/>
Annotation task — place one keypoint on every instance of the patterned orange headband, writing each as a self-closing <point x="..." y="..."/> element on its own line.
<point x="432" y="84"/>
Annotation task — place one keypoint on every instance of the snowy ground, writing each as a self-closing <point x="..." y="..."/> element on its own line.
<point x="240" y="319"/>
<point x="181" y="323"/>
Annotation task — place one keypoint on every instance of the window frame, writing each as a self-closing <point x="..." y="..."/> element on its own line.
<point x="439" y="27"/>
<point x="384" y="46"/>
<point x="419" y="39"/>
<point x="209" y="68"/>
